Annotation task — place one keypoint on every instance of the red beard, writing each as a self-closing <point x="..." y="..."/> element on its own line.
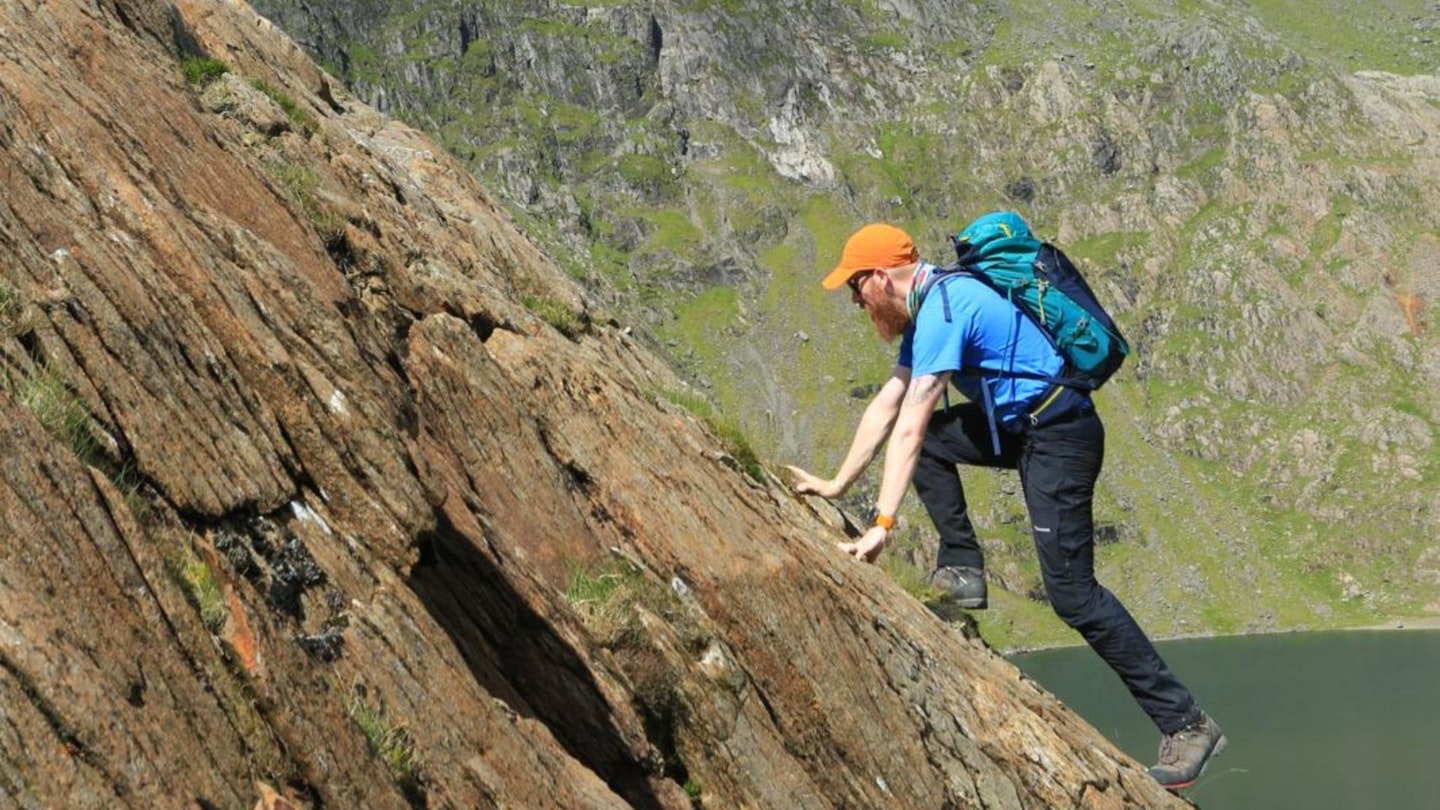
<point x="891" y="319"/>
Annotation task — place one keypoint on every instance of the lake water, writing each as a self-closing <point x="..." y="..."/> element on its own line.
<point x="1316" y="721"/>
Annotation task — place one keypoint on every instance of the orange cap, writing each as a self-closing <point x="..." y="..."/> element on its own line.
<point x="876" y="246"/>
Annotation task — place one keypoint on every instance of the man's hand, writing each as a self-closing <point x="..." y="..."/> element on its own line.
<point x="807" y="484"/>
<point x="868" y="547"/>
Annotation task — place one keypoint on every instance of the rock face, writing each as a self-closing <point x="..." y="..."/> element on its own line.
<point x="297" y="490"/>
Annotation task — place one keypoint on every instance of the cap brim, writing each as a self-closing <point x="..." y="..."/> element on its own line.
<point x="839" y="276"/>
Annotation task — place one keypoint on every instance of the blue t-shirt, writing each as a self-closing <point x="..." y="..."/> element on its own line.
<point x="963" y="324"/>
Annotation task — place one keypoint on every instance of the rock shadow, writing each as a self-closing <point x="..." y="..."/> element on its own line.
<point x="516" y="656"/>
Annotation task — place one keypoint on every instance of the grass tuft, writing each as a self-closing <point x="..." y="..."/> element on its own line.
<point x="606" y="601"/>
<point x="9" y="307"/>
<point x="60" y="411"/>
<point x="612" y="602"/>
<point x="304" y="122"/>
<point x="65" y="417"/>
<point x="557" y="313"/>
<point x="206" y="592"/>
<point x="744" y="454"/>
<point x="16" y="317"/>
<point x="388" y="739"/>
<point x="201" y="71"/>
<point x="303" y="185"/>
<point x="726" y="429"/>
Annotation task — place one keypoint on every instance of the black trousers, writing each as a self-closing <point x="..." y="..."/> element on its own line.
<point x="1058" y="463"/>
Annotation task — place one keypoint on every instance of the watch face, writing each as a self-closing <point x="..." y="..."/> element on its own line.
<point x="871" y="514"/>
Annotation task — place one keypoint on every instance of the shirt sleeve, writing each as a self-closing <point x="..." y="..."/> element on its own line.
<point x="944" y="331"/>
<point x="965" y="326"/>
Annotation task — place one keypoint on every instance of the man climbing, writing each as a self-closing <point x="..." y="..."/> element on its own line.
<point x="953" y="328"/>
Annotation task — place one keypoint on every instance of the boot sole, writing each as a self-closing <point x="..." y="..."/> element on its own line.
<point x="1214" y="752"/>
<point x="972" y="603"/>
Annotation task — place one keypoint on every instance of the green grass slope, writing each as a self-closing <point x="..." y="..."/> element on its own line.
<point x="1251" y="199"/>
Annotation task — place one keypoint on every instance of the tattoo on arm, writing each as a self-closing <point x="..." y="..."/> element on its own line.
<point x="925" y="388"/>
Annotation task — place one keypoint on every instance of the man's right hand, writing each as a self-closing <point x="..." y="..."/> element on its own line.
<point x="807" y="484"/>
<point x="868" y="547"/>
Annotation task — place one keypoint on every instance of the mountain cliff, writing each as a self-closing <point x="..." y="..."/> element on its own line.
<point x="1251" y="188"/>
<point x="321" y="486"/>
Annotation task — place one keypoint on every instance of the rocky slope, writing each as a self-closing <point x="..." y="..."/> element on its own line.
<point x="1252" y="190"/>
<point x="321" y="486"/>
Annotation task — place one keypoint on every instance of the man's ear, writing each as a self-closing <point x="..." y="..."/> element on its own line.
<point x="891" y="284"/>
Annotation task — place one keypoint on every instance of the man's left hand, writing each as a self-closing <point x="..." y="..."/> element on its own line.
<point x="868" y="547"/>
<point x="810" y="484"/>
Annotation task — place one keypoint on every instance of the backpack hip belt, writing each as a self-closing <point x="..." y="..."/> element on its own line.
<point x="1033" y="417"/>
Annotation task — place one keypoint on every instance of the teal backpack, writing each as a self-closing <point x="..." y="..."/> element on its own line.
<point x="1043" y="283"/>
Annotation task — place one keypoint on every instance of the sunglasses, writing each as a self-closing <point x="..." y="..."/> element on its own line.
<point x="858" y="280"/>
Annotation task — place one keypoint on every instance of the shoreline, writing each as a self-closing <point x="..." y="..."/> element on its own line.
<point x="1431" y="622"/>
<point x="1422" y="623"/>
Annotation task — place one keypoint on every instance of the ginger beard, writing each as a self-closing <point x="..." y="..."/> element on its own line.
<point x="890" y="317"/>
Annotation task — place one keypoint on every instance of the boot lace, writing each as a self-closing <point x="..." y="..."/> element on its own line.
<point x="1169" y="752"/>
<point x="1171" y="744"/>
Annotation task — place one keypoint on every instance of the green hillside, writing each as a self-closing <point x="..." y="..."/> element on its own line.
<point x="1251" y="187"/>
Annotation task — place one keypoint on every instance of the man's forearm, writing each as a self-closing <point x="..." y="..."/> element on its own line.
<point x="874" y="427"/>
<point x="906" y="440"/>
<point x="901" y="457"/>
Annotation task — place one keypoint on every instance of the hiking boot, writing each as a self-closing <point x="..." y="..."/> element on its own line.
<point x="1184" y="754"/>
<point x="962" y="585"/>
